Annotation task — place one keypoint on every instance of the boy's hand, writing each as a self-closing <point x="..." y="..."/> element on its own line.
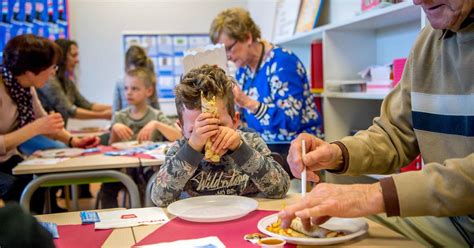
<point x="226" y="139"/>
<point x="123" y="132"/>
<point x="146" y="132"/>
<point x="204" y="128"/>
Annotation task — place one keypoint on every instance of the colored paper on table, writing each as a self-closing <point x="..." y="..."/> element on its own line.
<point x="72" y="236"/>
<point x="231" y="233"/>
<point x="89" y="217"/>
<point x="131" y="217"/>
<point x="43" y="161"/>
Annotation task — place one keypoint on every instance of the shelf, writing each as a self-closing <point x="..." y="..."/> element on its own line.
<point x="396" y="14"/>
<point x="355" y="95"/>
<point x="303" y="38"/>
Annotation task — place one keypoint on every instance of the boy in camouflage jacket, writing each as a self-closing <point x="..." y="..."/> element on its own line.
<point x="246" y="165"/>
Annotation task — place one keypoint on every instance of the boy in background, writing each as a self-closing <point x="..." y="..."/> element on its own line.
<point x="140" y="122"/>
<point x="246" y="165"/>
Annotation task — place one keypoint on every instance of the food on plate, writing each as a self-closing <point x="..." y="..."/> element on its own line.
<point x="208" y="105"/>
<point x="254" y="237"/>
<point x="297" y="230"/>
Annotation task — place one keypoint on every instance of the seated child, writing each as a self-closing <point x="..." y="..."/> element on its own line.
<point x="245" y="166"/>
<point x="138" y="121"/>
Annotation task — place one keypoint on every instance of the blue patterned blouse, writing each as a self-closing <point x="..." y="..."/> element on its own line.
<point x="282" y="87"/>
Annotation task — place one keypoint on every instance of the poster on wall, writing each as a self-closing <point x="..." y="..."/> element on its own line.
<point x="167" y="53"/>
<point x="46" y="18"/>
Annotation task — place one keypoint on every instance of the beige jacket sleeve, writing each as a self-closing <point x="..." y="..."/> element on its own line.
<point x="390" y="143"/>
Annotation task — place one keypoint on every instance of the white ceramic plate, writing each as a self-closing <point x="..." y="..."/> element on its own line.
<point x="60" y="153"/>
<point x="213" y="208"/>
<point x="351" y="227"/>
<point x="130" y="144"/>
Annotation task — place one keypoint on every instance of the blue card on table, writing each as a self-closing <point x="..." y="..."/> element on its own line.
<point x="89" y="217"/>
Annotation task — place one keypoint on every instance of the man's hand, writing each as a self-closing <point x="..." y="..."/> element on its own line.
<point x="319" y="155"/>
<point x="226" y="139"/>
<point x="50" y="124"/>
<point x="204" y="128"/>
<point x="146" y="132"/>
<point x="123" y="132"/>
<point x="334" y="200"/>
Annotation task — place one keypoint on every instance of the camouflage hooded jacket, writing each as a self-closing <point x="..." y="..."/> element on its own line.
<point x="248" y="170"/>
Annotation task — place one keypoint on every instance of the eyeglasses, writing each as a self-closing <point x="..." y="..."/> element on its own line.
<point x="229" y="48"/>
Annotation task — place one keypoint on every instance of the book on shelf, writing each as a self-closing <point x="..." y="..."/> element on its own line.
<point x="376" y="4"/>
<point x="310" y="11"/>
<point x="285" y="18"/>
<point x="317" y="66"/>
<point x="398" y="66"/>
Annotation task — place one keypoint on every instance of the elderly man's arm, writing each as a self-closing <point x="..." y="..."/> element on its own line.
<point x="441" y="190"/>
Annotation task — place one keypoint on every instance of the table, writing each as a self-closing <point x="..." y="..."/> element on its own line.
<point x="378" y="235"/>
<point x="121" y="237"/>
<point x="84" y="167"/>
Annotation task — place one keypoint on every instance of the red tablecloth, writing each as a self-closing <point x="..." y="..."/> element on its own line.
<point x="72" y="236"/>
<point x="231" y="233"/>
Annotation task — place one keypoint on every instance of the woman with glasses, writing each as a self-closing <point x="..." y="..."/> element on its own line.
<point x="61" y="94"/>
<point x="28" y="62"/>
<point x="273" y="89"/>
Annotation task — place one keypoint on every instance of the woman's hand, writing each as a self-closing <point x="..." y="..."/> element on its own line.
<point x="334" y="200"/>
<point x="146" y="132"/>
<point x="244" y="101"/>
<point x="123" y="132"/>
<point x="240" y="97"/>
<point x="106" y="114"/>
<point x="319" y="155"/>
<point x="85" y="142"/>
<point x="50" y="124"/>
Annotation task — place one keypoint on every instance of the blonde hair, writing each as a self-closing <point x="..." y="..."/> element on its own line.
<point x="143" y="74"/>
<point x="211" y="81"/>
<point x="236" y="23"/>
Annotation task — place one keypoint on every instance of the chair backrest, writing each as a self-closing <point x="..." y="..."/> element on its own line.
<point x="277" y="157"/>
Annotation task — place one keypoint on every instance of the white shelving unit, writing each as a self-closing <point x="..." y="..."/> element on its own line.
<point x="374" y="37"/>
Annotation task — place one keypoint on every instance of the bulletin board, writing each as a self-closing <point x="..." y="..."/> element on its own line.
<point x="46" y="18"/>
<point x="167" y="52"/>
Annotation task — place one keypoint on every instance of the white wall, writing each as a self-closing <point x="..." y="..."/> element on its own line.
<point x="263" y="14"/>
<point x="97" y="26"/>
